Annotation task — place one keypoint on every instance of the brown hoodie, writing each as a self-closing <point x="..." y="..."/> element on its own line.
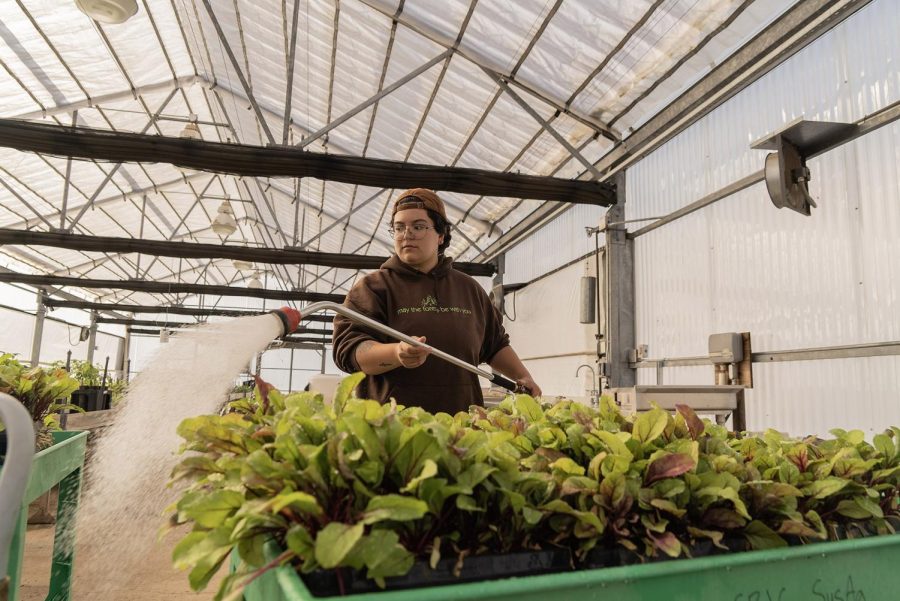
<point x="446" y="306"/>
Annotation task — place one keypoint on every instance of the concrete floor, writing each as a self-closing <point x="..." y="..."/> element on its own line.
<point x="157" y="580"/>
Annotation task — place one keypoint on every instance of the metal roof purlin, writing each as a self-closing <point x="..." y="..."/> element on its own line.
<point x="373" y="99"/>
<point x="186" y="81"/>
<point x="112" y="172"/>
<point x="234" y="64"/>
<point x="65" y="195"/>
<point x="23" y="201"/>
<point x="797" y="26"/>
<point x="688" y="55"/>
<point x="289" y="87"/>
<point x="253" y="201"/>
<point x="546" y="126"/>
<point x="612" y="53"/>
<point x="427" y="33"/>
<point x="372" y="116"/>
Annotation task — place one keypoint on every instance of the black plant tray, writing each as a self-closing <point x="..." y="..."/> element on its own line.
<point x="92" y="398"/>
<point x="325" y="583"/>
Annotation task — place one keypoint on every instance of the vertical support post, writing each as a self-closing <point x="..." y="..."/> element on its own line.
<point x="322" y="370"/>
<point x="65" y="197"/>
<point x="124" y="356"/>
<point x="38" y="328"/>
<point x="92" y="338"/>
<point x="620" y="285"/>
<point x="291" y="373"/>
<point x="497" y="284"/>
<point x="137" y="268"/>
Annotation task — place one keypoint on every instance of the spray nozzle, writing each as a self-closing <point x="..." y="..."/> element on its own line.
<point x="290" y="319"/>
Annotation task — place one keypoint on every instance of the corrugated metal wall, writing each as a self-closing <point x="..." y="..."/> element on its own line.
<point x="742" y="265"/>
<point x="561" y="240"/>
<point x="792" y="281"/>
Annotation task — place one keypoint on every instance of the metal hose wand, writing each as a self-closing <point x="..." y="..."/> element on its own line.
<point x="290" y="320"/>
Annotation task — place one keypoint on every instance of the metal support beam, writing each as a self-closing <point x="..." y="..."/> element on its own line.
<point x="159" y="309"/>
<point x="337" y="220"/>
<point x="150" y="122"/>
<point x="544" y="124"/>
<point x="107" y="200"/>
<point x="92" y="338"/>
<point x="497" y="283"/>
<point x="620" y="338"/>
<point x="437" y="38"/>
<point x="844" y="351"/>
<point x="113" y="97"/>
<point x="168" y="287"/>
<point x="126" y="357"/>
<point x="27" y="204"/>
<point x="187" y="250"/>
<point x="121" y="358"/>
<point x="38" y="334"/>
<point x="242" y="159"/>
<point x="65" y="195"/>
<point x="795" y="28"/>
<point x="373" y="99"/>
<point x="237" y="68"/>
<point x="289" y="87"/>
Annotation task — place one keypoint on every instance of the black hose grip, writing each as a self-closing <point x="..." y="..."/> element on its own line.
<point x="505" y="383"/>
<point x="285" y="325"/>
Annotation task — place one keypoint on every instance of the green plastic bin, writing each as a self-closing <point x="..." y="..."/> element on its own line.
<point x="851" y="570"/>
<point x="60" y="464"/>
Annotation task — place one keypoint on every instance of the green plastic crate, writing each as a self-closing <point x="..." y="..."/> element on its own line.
<point x="852" y="570"/>
<point x="59" y="464"/>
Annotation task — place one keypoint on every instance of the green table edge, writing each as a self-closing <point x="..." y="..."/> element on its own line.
<point x="876" y="555"/>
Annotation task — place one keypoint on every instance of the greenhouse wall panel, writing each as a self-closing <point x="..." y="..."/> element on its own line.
<point x="794" y="282"/>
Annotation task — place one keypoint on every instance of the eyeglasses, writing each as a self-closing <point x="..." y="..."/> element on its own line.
<point x="413" y="232"/>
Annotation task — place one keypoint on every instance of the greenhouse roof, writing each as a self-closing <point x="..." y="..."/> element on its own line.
<point x="567" y="89"/>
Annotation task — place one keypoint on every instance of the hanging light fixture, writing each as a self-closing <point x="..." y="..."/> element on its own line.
<point x="111" y="12"/>
<point x="254" y="282"/>
<point x="163" y="336"/>
<point x="242" y="265"/>
<point x="224" y="223"/>
<point x="191" y="130"/>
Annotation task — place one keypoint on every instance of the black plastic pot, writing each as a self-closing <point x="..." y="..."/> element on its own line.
<point x="734" y="544"/>
<point x="330" y="583"/>
<point x="92" y="398"/>
<point x="600" y="557"/>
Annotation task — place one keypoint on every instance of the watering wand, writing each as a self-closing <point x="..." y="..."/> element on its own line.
<point x="290" y="320"/>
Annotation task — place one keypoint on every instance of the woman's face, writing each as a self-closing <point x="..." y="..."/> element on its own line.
<point x="416" y="249"/>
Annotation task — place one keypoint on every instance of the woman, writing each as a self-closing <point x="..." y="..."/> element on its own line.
<point x="418" y="292"/>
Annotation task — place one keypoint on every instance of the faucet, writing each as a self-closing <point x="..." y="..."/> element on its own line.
<point x="595" y="401"/>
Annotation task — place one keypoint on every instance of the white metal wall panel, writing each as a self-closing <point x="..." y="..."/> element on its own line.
<point x="17" y="334"/>
<point x="543" y="323"/>
<point x="792" y="281"/>
<point x="561" y="240"/>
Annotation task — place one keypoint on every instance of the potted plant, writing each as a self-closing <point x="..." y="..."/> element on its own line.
<point x="358" y="496"/>
<point x="91" y="394"/>
<point x="58" y="461"/>
<point x="41" y="391"/>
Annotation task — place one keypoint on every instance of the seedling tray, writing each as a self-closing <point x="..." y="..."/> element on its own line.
<point x="851" y="570"/>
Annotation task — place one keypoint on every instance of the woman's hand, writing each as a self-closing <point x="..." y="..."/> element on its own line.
<point x="411" y="356"/>
<point x="529" y="385"/>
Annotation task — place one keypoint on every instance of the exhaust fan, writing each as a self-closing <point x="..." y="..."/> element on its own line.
<point x="787" y="176"/>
